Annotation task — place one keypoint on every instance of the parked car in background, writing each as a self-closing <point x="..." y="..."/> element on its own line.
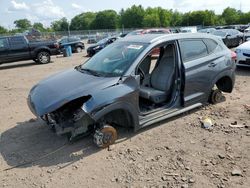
<point x="123" y="85"/>
<point x="92" y="50"/>
<point x="240" y="28"/>
<point x="243" y="54"/>
<point x="123" y="35"/>
<point x="191" y="29"/>
<point x="231" y="37"/>
<point x="175" y="30"/>
<point x="150" y="31"/>
<point x="247" y="34"/>
<point x="207" y="30"/>
<point x="76" y="44"/>
<point x="92" y="40"/>
<point x="18" y="48"/>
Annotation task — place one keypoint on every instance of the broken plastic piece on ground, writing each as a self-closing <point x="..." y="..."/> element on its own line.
<point x="237" y="126"/>
<point x="207" y="123"/>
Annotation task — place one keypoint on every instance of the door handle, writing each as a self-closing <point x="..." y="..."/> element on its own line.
<point x="212" y="65"/>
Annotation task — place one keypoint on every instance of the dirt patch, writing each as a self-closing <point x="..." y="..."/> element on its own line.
<point x="174" y="153"/>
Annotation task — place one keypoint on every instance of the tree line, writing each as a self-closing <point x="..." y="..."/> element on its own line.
<point x="136" y="17"/>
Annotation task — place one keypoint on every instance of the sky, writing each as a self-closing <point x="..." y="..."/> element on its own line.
<point x="47" y="11"/>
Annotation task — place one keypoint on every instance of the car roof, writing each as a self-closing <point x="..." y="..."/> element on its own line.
<point x="153" y="38"/>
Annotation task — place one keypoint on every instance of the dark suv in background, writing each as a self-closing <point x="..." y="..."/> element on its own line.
<point x="231" y="37"/>
<point x="18" y="48"/>
<point x="75" y="42"/>
<point x="93" y="49"/>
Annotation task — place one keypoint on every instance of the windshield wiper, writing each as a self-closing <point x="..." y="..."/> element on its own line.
<point x="95" y="73"/>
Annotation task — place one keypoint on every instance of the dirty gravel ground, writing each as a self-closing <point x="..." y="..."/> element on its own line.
<point x="173" y="153"/>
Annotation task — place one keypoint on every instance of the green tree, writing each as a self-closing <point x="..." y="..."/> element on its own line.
<point x="3" y="30"/>
<point x="39" y="26"/>
<point x="230" y="15"/>
<point x="244" y="18"/>
<point x="133" y="17"/>
<point x="22" y="24"/>
<point x="164" y="16"/>
<point x="82" y="21"/>
<point x="107" y="19"/>
<point x="60" y="25"/>
<point x="151" y="18"/>
<point x="176" y="18"/>
<point x="205" y="18"/>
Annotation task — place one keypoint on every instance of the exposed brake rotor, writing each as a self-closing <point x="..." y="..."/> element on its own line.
<point x="105" y="136"/>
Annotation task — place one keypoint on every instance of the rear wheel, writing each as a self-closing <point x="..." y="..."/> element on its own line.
<point x="43" y="57"/>
<point x="78" y="49"/>
<point x="216" y="96"/>
<point x="105" y="136"/>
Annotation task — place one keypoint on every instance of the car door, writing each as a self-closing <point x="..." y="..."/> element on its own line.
<point x="19" y="49"/>
<point x="198" y="67"/>
<point x="4" y="50"/>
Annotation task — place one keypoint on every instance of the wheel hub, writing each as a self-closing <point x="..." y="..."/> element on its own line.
<point x="105" y="136"/>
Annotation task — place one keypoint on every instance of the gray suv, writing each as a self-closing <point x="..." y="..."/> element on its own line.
<point x="135" y="82"/>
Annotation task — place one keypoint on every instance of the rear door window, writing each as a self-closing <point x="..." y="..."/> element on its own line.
<point x="16" y="41"/>
<point x="192" y="49"/>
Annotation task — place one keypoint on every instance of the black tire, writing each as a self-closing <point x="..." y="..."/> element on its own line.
<point x="78" y="49"/>
<point x="43" y="57"/>
<point x="90" y="54"/>
<point x="216" y="96"/>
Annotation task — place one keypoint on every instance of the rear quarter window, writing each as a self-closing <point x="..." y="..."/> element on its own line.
<point x="212" y="45"/>
<point x="192" y="49"/>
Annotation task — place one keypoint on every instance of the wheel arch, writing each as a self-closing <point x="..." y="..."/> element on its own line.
<point x="37" y="51"/>
<point x="224" y="81"/>
<point x="225" y="84"/>
<point x="120" y="113"/>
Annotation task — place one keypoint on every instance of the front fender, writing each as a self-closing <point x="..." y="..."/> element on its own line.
<point x="122" y="96"/>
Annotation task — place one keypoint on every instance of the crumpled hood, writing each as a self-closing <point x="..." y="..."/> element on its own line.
<point x="55" y="91"/>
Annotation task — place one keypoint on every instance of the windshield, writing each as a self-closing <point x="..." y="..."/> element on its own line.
<point x="115" y="59"/>
<point x="219" y="33"/>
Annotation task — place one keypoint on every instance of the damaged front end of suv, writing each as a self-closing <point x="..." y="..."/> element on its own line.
<point x="77" y="104"/>
<point x="70" y="118"/>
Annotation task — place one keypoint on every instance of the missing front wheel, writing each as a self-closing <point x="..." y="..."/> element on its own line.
<point x="105" y="136"/>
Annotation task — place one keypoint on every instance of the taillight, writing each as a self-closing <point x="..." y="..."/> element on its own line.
<point x="233" y="55"/>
